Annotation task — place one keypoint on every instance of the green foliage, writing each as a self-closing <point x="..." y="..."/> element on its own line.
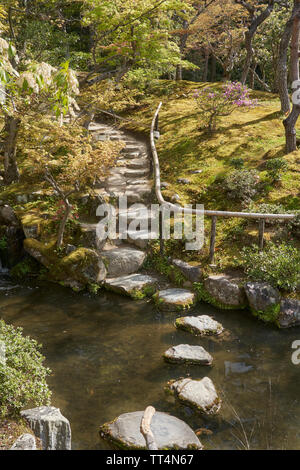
<point x="22" y="373"/>
<point x="25" y="268"/>
<point x="241" y="185"/>
<point x="3" y="243"/>
<point x="278" y="265"/>
<point x="237" y="163"/>
<point x="275" y="167"/>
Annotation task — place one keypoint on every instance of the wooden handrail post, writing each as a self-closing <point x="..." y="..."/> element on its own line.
<point x="261" y="232"/>
<point x="212" y="239"/>
<point x="146" y="429"/>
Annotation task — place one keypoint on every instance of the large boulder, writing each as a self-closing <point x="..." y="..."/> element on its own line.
<point x="186" y="354"/>
<point x="122" y="261"/>
<point x="50" y="426"/>
<point x="289" y="313"/>
<point x="24" y="442"/>
<point x="200" y="394"/>
<point x="223" y="291"/>
<point x="264" y="300"/>
<point x="202" y="325"/>
<point x="190" y="273"/>
<point x="169" y="432"/>
<point x="175" y="299"/>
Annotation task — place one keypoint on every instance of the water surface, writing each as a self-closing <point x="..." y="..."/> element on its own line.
<point x="105" y="354"/>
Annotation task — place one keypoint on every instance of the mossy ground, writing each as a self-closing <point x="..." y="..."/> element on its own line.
<point x="10" y="431"/>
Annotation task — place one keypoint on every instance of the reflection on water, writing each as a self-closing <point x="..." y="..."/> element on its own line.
<point x="105" y="353"/>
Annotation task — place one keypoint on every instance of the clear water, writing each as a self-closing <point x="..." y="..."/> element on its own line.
<point x="105" y="353"/>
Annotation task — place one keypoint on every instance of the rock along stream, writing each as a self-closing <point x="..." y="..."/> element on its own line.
<point x="106" y="356"/>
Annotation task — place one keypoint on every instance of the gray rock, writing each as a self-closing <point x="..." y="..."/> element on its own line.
<point x="195" y="172"/>
<point x="140" y="238"/>
<point x="134" y="285"/>
<point x="225" y="291"/>
<point x="199" y="394"/>
<point x="122" y="261"/>
<point x="50" y="426"/>
<point x="174" y="299"/>
<point x="183" y="181"/>
<point x="70" y="248"/>
<point x="169" y="432"/>
<point x="175" y="197"/>
<point x="202" y="325"/>
<point x="24" y="442"/>
<point x="289" y="313"/>
<point x="188" y="354"/>
<point x="164" y="185"/>
<point x="264" y="300"/>
<point x="191" y="273"/>
<point x="8" y="216"/>
<point x="31" y="231"/>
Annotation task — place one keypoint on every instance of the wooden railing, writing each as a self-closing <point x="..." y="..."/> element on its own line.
<point x="210" y="213"/>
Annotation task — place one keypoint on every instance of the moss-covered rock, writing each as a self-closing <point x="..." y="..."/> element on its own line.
<point x="174" y="299"/>
<point x="264" y="301"/>
<point x="222" y="291"/>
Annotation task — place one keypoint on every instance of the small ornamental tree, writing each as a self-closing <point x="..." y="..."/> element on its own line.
<point x="214" y="104"/>
<point x="38" y="86"/>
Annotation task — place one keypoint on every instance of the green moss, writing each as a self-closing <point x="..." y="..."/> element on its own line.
<point x="270" y="315"/>
<point x="205" y="296"/>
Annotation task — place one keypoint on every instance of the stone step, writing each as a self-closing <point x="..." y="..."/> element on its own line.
<point x="136" y="286"/>
<point x="122" y="261"/>
<point x="187" y="354"/>
<point x="199" y="394"/>
<point x="140" y="238"/>
<point x="136" y="173"/>
<point x="175" y="299"/>
<point x="202" y="325"/>
<point x="132" y="148"/>
<point x="137" y="163"/>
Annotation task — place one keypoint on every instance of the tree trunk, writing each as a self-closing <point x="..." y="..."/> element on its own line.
<point x="213" y="68"/>
<point x="282" y="70"/>
<point x="11" y="129"/>
<point x="178" y="74"/>
<point x="256" y="21"/>
<point x="291" y="120"/>
<point x="62" y="226"/>
<point x="206" y="59"/>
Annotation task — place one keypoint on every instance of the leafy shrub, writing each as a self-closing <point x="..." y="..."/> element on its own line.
<point x="278" y="265"/>
<point x="22" y="374"/>
<point x="237" y="163"/>
<point x="275" y="168"/>
<point x="241" y="185"/>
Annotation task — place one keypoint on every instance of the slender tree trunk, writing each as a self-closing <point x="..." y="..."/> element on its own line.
<point x="62" y="226"/>
<point x="178" y="73"/>
<point x="282" y="69"/>
<point x="252" y="76"/>
<point x="11" y="129"/>
<point x="213" y="68"/>
<point x="291" y="120"/>
<point x="256" y="21"/>
<point x="206" y="59"/>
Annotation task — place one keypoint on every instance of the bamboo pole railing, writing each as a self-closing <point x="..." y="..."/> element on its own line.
<point x="209" y="213"/>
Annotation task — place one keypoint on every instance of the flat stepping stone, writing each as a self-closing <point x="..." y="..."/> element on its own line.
<point x="174" y="299"/>
<point x="185" y="353"/>
<point x="199" y="394"/>
<point x="122" y="261"/>
<point x="136" y="286"/>
<point x="169" y="432"/>
<point x="202" y="325"/>
<point x="141" y="238"/>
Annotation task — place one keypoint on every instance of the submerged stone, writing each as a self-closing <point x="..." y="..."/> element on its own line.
<point x="202" y="325"/>
<point x="185" y="353"/>
<point x="200" y="394"/>
<point x="174" y="299"/>
<point x="169" y="432"/>
<point x="134" y="285"/>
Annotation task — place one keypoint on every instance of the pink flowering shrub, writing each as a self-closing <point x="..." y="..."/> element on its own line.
<point x="215" y="104"/>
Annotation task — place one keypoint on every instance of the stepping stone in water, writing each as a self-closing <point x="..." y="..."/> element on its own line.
<point x="185" y="353"/>
<point x="199" y="394"/>
<point x="174" y="299"/>
<point x="136" y="286"/>
<point x="169" y="432"/>
<point x="202" y="325"/>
